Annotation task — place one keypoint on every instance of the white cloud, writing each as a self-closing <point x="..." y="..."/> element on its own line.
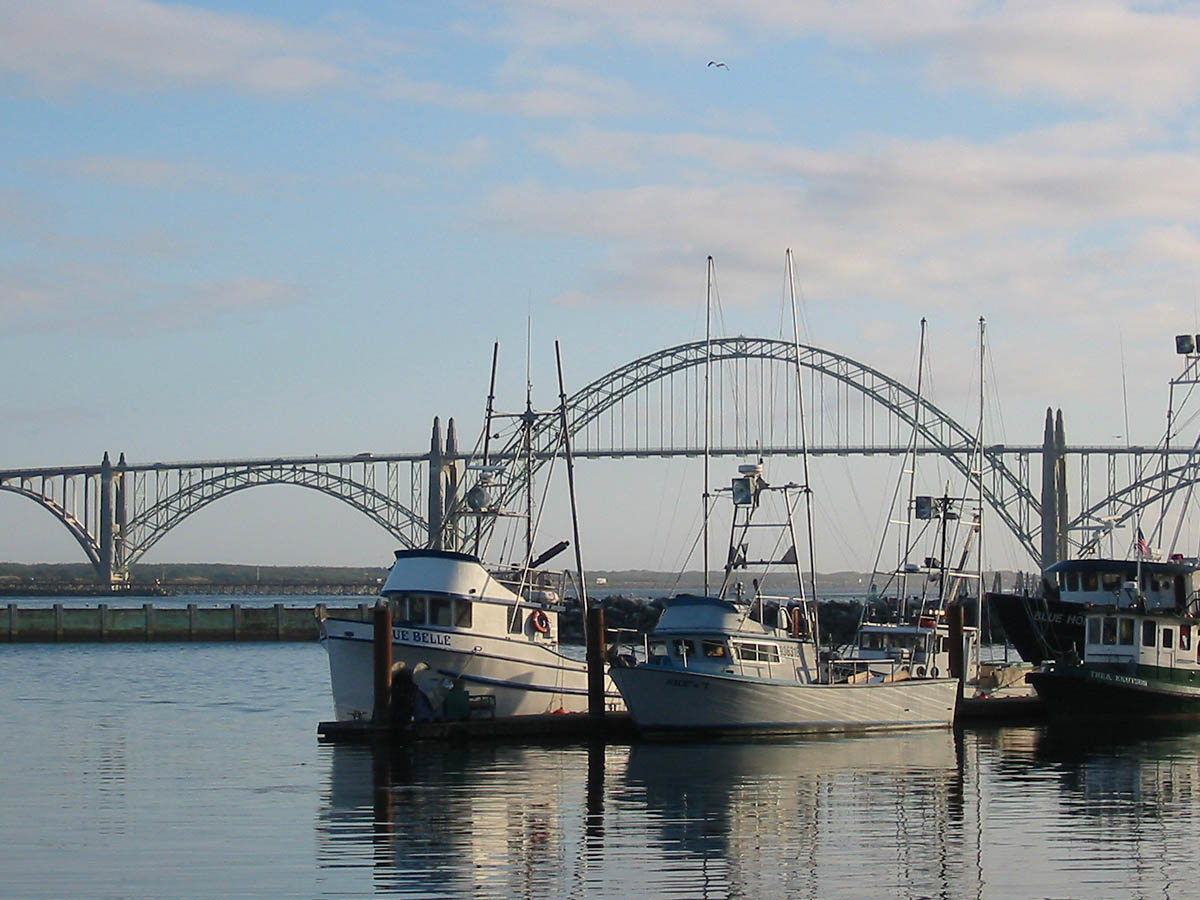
<point x="145" y="45"/>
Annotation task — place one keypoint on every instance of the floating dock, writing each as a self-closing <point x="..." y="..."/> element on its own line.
<point x="103" y="623"/>
<point x="549" y="726"/>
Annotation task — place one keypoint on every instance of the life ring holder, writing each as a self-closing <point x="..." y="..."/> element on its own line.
<point x="539" y="621"/>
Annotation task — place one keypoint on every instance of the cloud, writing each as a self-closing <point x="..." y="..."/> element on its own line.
<point x="145" y="45"/>
<point x="1096" y="53"/>
<point x="82" y="298"/>
<point x="153" y="174"/>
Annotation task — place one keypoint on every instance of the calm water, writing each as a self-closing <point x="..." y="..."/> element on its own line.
<point x="185" y="771"/>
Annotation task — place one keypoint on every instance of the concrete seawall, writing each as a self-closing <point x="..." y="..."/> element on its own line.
<point x="146" y="623"/>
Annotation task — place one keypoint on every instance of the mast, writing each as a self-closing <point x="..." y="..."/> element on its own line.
<point x="707" y="412"/>
<point x="487" y="434"/>
<point x="527" y="421"/>
<point x="906" y="535"/>
<point x="566" y="440"/>
<point x="814" y="624"/>
<point x="981" y="610"/>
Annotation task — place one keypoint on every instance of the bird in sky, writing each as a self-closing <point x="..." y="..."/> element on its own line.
<point x="719" y="65"/>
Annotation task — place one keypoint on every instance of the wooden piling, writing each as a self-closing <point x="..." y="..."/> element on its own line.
<point x="954" y="622"/>
<point x="383" y="661"/>
<point x="595" y="661"/>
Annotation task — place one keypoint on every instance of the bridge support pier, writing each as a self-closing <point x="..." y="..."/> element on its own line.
<point x="114" y="515"/>
<point x="1054" y="491"/>
<point x="444" y="467"/>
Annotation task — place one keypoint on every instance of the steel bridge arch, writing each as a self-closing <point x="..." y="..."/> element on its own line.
<point x="1142" y="494"/>
<point x="939" y="429"/>
<point x="155" y="521"/>
<point x="75" y="527"/>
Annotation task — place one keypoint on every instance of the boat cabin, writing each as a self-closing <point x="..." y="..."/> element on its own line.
<point x="446" y="590"/>
<point x="705" y="634"/>
<point x="1102" y="582"/>
<point x="1114" y="636"/>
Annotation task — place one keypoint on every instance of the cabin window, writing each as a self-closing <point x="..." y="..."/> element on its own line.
<point x="1185" y="637"/>
<point x="462" y="613"/>
<point x="1149" y="638"/>
<point x="658" y="653"/>
<point x="1155" y="585"/>
<point x="758" y="652"/>
<point x="439" y="611"/>
<point x="1089" y="581"/>
<point x="683" y="649"/>
<point x="714" y="649"/>
<point x="1126" y="636"/>
<point x="1071" y="581"/>
<point x="1093" y="631"/>
<point x="1109" y="633"/>
<point x="1168" y="639"/>
<point x="416" y="610"/>
<point x="1111" y="581"/>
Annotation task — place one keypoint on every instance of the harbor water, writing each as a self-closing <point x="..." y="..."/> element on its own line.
<point x="194" y="770"/>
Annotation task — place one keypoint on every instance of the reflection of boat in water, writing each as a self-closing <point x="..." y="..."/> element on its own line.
<point x="767" y="818"/>
<point x="469" y="637"/>
<point x="796" y="818"/>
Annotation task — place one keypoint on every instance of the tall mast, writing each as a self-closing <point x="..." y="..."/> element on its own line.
<point x="981" y="611"/>
<point x="566" y="441"/>
<point x="487" y="434"/>
<point x="707" y="411"/>
<point x="812" y="564"/>
<point x="527" y="421"/>
<point x="906" y="535"/>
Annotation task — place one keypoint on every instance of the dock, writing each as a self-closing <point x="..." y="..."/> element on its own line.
<point x="551" y="726"/>
<point x="151" y="622"/>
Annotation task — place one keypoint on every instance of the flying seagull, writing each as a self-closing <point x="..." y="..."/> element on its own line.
<point x="719" y="65"/>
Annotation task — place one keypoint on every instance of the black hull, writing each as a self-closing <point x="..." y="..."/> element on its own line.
<point x="1039" y="628"/>
<point x="1111" y="692"/>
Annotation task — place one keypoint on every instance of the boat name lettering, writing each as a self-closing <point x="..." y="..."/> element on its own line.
<point x="1058" y="618"/>
<point x="1120" y="679"/>
<point x="408" y="636"/>
<point x="686" y="683"/>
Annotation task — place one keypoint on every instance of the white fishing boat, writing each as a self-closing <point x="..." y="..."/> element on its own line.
<point x="741" y="661"/>
<point x="487" y="636"/>
<point x="468" y="629"/>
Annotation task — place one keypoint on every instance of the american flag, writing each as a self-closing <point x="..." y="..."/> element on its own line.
<point x="1143" y="548"/>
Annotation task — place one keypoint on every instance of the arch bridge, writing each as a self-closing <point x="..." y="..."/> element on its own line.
<point x="651" y="406"/>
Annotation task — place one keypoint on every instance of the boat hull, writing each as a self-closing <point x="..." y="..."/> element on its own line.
<point x="666" y="699"/>
<point x="1040" y="628"/>
<point x="1115" y="691"/>
<point x="524" y="678"/>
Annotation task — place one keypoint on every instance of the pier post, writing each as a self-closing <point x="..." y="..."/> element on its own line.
<point x="595" y="661"/>
<point x="383" y="662"/>
<point x="954" y="622"/>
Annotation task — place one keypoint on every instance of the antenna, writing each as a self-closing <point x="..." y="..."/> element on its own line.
<point x="707" y="410"/>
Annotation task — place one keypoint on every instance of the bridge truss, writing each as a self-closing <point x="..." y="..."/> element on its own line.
<point x="649" y="407"/>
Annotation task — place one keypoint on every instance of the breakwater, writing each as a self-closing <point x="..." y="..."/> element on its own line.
<point x="150" y="622"/>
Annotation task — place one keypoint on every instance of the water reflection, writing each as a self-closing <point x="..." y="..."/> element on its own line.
<point x="806" y="818"/>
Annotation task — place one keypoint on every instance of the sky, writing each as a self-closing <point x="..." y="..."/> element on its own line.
<point x="240" y="229"/>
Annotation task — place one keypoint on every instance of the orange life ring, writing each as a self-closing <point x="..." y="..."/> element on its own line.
<point x="539" y="621"/>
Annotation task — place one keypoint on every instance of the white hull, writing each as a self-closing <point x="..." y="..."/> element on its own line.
<point x="663" y="698"/>
<point x="525" y="678"/>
